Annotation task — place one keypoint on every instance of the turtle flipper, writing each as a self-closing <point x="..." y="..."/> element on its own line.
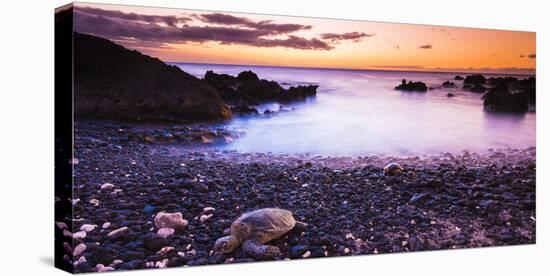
<point x="300" y="227"/>
<point x="259" y="251"/>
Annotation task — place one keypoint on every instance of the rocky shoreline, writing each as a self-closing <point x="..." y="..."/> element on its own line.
<point x="123" y="181"/>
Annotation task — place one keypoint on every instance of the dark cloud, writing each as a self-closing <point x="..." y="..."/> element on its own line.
<point x="355" y="36"/>
<point x="267" y="26"/>
<point x="141" y="31"/>
<point x="168" y="20"/>
<point x="425" y="46"/>
<point x="533" y="55"/>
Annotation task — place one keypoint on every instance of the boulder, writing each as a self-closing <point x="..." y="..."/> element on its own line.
<point x="475" y="79"/>
<point x="457" y="77"/>
<point x="500" y="99"/>
<point x="298" y="93"/>
<point x="248" y="88"/>
<point x="113" y="82"/>
<point x="245" y="76"/>
<point x="412" y="86"/>
<point x="244" y="108"/>
<point x="448" y="84"/>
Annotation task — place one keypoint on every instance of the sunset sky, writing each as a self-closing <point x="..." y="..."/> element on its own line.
<point x="236" y="38"/>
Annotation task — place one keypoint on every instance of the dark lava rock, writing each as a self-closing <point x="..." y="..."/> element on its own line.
<point x="245" y="76"/>
<point x="134" y="264"/>
<point x="475" y="79"/>
<point x="475" y="83"/>
<point x="113" y="82"/>
<point x="450" y="95"/>
<point x="298" y="93"/>
<point x="457" y="77"/>
<point x="476" y="88"/>
<point x="321" y="178"/>
<point x="132" y="255"/>
<point x="417" y="198"/>
<point x="244" y="108"/>
<point x="412" y="86"/>
<point x="297" y="251"/>
<point x="200" y="261"/>
<point x="448" y="84"/>
<point x="102" y="255"/>
<point x="153" y="241"/>
<point x="499" y="99"/>
<point x="247" y="87"/>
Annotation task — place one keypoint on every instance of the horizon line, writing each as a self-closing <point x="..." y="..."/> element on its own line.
<point x="420" y="69"/>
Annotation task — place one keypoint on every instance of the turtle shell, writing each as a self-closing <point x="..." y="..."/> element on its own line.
<point x="263" y="225"/>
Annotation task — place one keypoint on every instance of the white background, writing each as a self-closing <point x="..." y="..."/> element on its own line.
<point x="27" y="124"/>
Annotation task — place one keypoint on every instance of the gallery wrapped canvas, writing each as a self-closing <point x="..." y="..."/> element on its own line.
<point x="191" y="137"/>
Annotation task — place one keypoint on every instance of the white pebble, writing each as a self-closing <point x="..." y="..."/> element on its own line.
<point x="119" y="231"/>
<point x="107" y="186"/>
<point x="209" y="209"/>
<point x="79" y="235"/>
<point x="79" y="249"/>
<point x="94" y="202"/>
<point x="205" y="217"/>
<point x="166" y="231"/>
<point x="307" y="254"/>
<point x="87" y="227"/>
<point x="106" y="225"/>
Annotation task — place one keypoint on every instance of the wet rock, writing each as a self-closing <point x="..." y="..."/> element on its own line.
<point x="162" y="92"/>
<point x="457" y="77"/>
<point x="499" y="99"/>
<point x="412" y="86"/>
<point x="448" y="84"/>
<point x="244" y="108"/>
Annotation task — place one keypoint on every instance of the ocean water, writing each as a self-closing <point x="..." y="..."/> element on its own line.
<point x="358" y="112"/>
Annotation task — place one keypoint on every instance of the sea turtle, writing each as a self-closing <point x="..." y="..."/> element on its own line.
<point x="254" y="229"/>
<point x="392" y="169"/>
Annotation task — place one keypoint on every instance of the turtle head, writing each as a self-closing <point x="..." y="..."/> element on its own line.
<point x="226" y="244"/>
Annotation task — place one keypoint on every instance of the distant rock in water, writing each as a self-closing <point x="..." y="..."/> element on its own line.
<point x="475" y="83"/>
<point x="412" y="86"/>
<point x="457" y="77"/>
<point x="475" y="79"/>
<point x="448" y="84"/>
<point x="500" y="99"/>
<point x="113" y="82"/>
<point x="298" y="93"/>
<point x="450" y="95"/>
<point x="248" y="87"/>
<point x="524" y="87"/>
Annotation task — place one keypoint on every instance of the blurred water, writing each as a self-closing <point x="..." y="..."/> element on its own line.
<point x="359" y="112"/>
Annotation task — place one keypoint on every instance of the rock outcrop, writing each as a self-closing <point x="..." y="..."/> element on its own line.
<point x="448" y="84"/>
<point x="412" y="86"/>
<point x="113" y="82"/>
<point x="500" y="99"/>
<point x="247" y="88"/>
<point x="475" y="83"/>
